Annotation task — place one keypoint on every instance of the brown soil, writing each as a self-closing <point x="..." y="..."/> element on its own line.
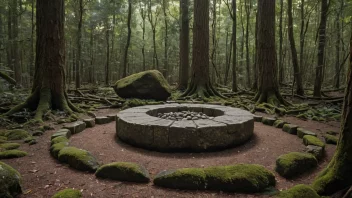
<point x="43" y="175"/>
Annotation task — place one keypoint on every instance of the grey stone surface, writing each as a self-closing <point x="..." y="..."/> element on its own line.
<point x="317" y="151"/>
<point x="302" y="132"/>
<point x="76" y="127"/>
<point x="90" y="122"/>
<point x="102" y="120"/>
<point x="62" y="132"/>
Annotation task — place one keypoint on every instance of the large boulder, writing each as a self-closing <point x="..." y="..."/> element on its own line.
<point x="144" y="85"/>
<point x="78" y="159"/>
<point x="10" y="181"/>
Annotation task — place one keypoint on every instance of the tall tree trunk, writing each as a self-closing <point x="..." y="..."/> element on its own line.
<point x="143" y="15"/>
<point x="31" y="60"/>
<point x="125" y="56"/>
<point x="281" y="62"/>
<point x="338" y="46"/>
<point x="200" y="85"/>
<point x="91" y="68"/>
<point x="321" y="48"/>
<point x="153" y="20"/>
<point x="268" y="89"/>
<point x="234" y="46"/>
<point x="107" y="65"/>
<point x="15" y="40"/>
<point x="296" y="70"/>
<point x="255" y="80"/>
<point x="79" y="45"/>
<point x="48" y="89"/>
<point x="166" y="40"/>
<point x="184" y="45"/>
<point x="337" y="175"/>
<point x="248" y="14"/>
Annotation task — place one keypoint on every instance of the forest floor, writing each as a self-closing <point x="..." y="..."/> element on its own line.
<point x="43" y="176"/>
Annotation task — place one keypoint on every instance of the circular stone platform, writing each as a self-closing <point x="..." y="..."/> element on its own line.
<point x="140" y="127"/>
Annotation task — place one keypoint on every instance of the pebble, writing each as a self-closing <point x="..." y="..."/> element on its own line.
<point x="184" y="115"/>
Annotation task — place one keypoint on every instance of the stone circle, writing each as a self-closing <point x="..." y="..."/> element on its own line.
<point x="141" y="127"/>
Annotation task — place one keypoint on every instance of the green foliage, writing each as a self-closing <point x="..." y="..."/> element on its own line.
<point x="8" y="154"/>
<point x="68" y="193"/>
<point x="9" y="146"/>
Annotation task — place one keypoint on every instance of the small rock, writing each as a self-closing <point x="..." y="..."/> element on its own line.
<point x="62" y="132"/>
<point x="102" y="120"/>
<point x="76" y="127"/>
<point x="302" y="132"/>
<point x="317" y="151"/>
<point x="89" y="122"/>
<point x="37" y="133"/>
<point x="290" y="128"/>
<point x="257" y="118"/>
<point x="330" y="139"/>
<point x="268" y="121"/>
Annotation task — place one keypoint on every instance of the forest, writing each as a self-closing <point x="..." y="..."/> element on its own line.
<point x="166" y="98"/>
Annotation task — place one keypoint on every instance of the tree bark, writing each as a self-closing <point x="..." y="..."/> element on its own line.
<point x="153" y="20"/>
<point x="268" y="89"/>
<point x="281" y="63"/>
<point x="248" y="14"/>
<point x="166" y="40"/>
<point x="107" y="64"/>
<point x="337" y="175"/>
<point x="184" y="45"/>
<point x="234" y="46"/>
<point x="129" y="31"/>
<point x="79" y="45"/>
<point x="143" y="15"/>
<point x="338" y="46"/>
<point x="48" y="91"/>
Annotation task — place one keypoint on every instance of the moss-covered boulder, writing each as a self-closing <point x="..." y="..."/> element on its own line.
<point x="331" y="139"/>
<point x="68" y="193"/>
<point x="123" y="171"/>
<point x="312" y="140"/>
<point x="295" y="163"/>
<point x="58" y="140"/>
<point x="78" y="159"/>
<point x="9" y="146"/>
<point x="56" y="148"/>
<point x="144" y="85"/>
<point x="268" y="121"/>
<point x="12" y="154"/>
<point x="290" y="128"/>
<point x="279" y="123"/>
<point x="302" y="132"/>
<point x="17" y="134"/>
<point x="299" y="191"/>
<point x="10" y="181"/>
<point x="62" y="132"/>
<point x="236" y="178"/>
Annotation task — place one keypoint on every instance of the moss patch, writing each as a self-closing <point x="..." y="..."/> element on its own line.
<point x="78" y="158"/>
<point x="302" y="132"/>
<point x="9" y="146"/>
<point x="279" y="123"/>
<point x="12" y="154"/>
<point x="68" y="193"/>
<point x="330" y="139"/>
<point x="4" y="138"/>
<point x="56" y="148"/>
<point x="58" y="140"/>
<point x="299" y="191"/>
<point x="123" y="171"/>
<point x="10" y="181"/>
<point x="290" y="128"/>
<point x="236" y="178"/>
<point x="312" y="140"/>
<point x="17" y="134"/>
<point x="294" y="164"/>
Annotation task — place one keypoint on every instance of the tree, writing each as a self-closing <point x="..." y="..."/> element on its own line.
<point x="321" y="48"/>
<point x="200" y="85"/>
<point x="48" y="91"/>
<point x="337" y="175"/>
<point x="234" y="46"/>
<point x="124" y="73"/>
<point x="153" y="20"/>
<point x="296" y="70"/>
<point x="79" y="45"/>
<point x="184" y="45"/>
<point x="268" y="89"/>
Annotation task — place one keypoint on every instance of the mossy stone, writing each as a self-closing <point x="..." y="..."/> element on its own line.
<point x="302" y="132"/>
<point x="3" y="138"/>
<point x="186" y="178"/>
<point x="17" y="134"/>
<point x="332" y="133"/>
<point x="279" y="123"/>
<point x="10" y="181"/>
<point x="290" y="128"/>
<point x="9" y="146"/>
<point x="62" y="132"/>
<point x="56" y="148"/>
<point x="299" y="191"/>
<point x="268" y="121"/>
<point x="28" y="139"/>
<point x="123" y="171"/>
<point x="78" y="159"/>
<point x="68" y="193"/>
<point x="257" y="118"/>
<point x="12" y="154"/>
<point x="58" y="140"/>
<point x="312" y="140"/>
<point x="295" y="163"/>
<point x="330" y="139"/>
<point x="317" y="151"/>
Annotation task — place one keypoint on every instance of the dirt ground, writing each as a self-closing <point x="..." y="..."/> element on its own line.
<point x="43" y="175"/>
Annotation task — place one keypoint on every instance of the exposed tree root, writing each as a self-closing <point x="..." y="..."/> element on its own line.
<point x="272" y="98"/>
<point x="201" y="91"/>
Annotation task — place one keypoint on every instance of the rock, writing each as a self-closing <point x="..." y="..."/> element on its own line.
<point x="268" y="121"/>
<point x="62" y="132"/>
<point x="237" y="178"/>
<point x="56" y="148"/>
<point x="28" y="139"/>
<point x="123" y="171"/>
<point x="91" y="114"/>
<point x="9" y="146"/>
<point x="330" y="139"/>
<point x="302" y="132"/>
<point x="3" y="138"/>
<point x="279" y="123"/>
<point x="78" y="159"/>
<point x="257" y="118"/>
<point x="317" y="151"/>
<point x="58" y="140"/>
<point x="68" y="193"/>
<point x="290" y="128"/>
<point x="293" y="164"/>
<point x="112" y="117"/>
<point x="37" y="133"/>
<point x="17" y="134"/>
<point x="299" y="191"/>
<point x="102" y="120"/>
<point x="34" y="141"/>
<point x="90" y="122"/>
<point x="332" y="133"/>
<point x="10" y="181"/>
<point x="312" y="140"/>
<point x="144" y="85"/>
<point x="9" y="154"/>
<point x="76" y="127"/>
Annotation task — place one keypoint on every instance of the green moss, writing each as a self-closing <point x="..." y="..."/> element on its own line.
<point x="56" y="148"/>
<point x="312" y="140"/>
<point x="299" y="191"/>
<point x="295" y="163"/>
<point x="290" y="128"/>
<point x="330" y="139"/>
<point x="268" y="121"/>
<point x="28" y="139"/>
<point x="3" y="138"/>
<point x="9" y="146"/>
<point x="123" y="171"/>
<point x="302" y="116"/>
<point x="12" y="154"/>
<point x="78" y="158"/>
<point x="302" y="132"/>
<point x="10" y="181"/>
<point x="68" y="193"/>
<point x="58" y="140"/>
<point x="17" y="134"/>
<point x="279" y="123"/>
